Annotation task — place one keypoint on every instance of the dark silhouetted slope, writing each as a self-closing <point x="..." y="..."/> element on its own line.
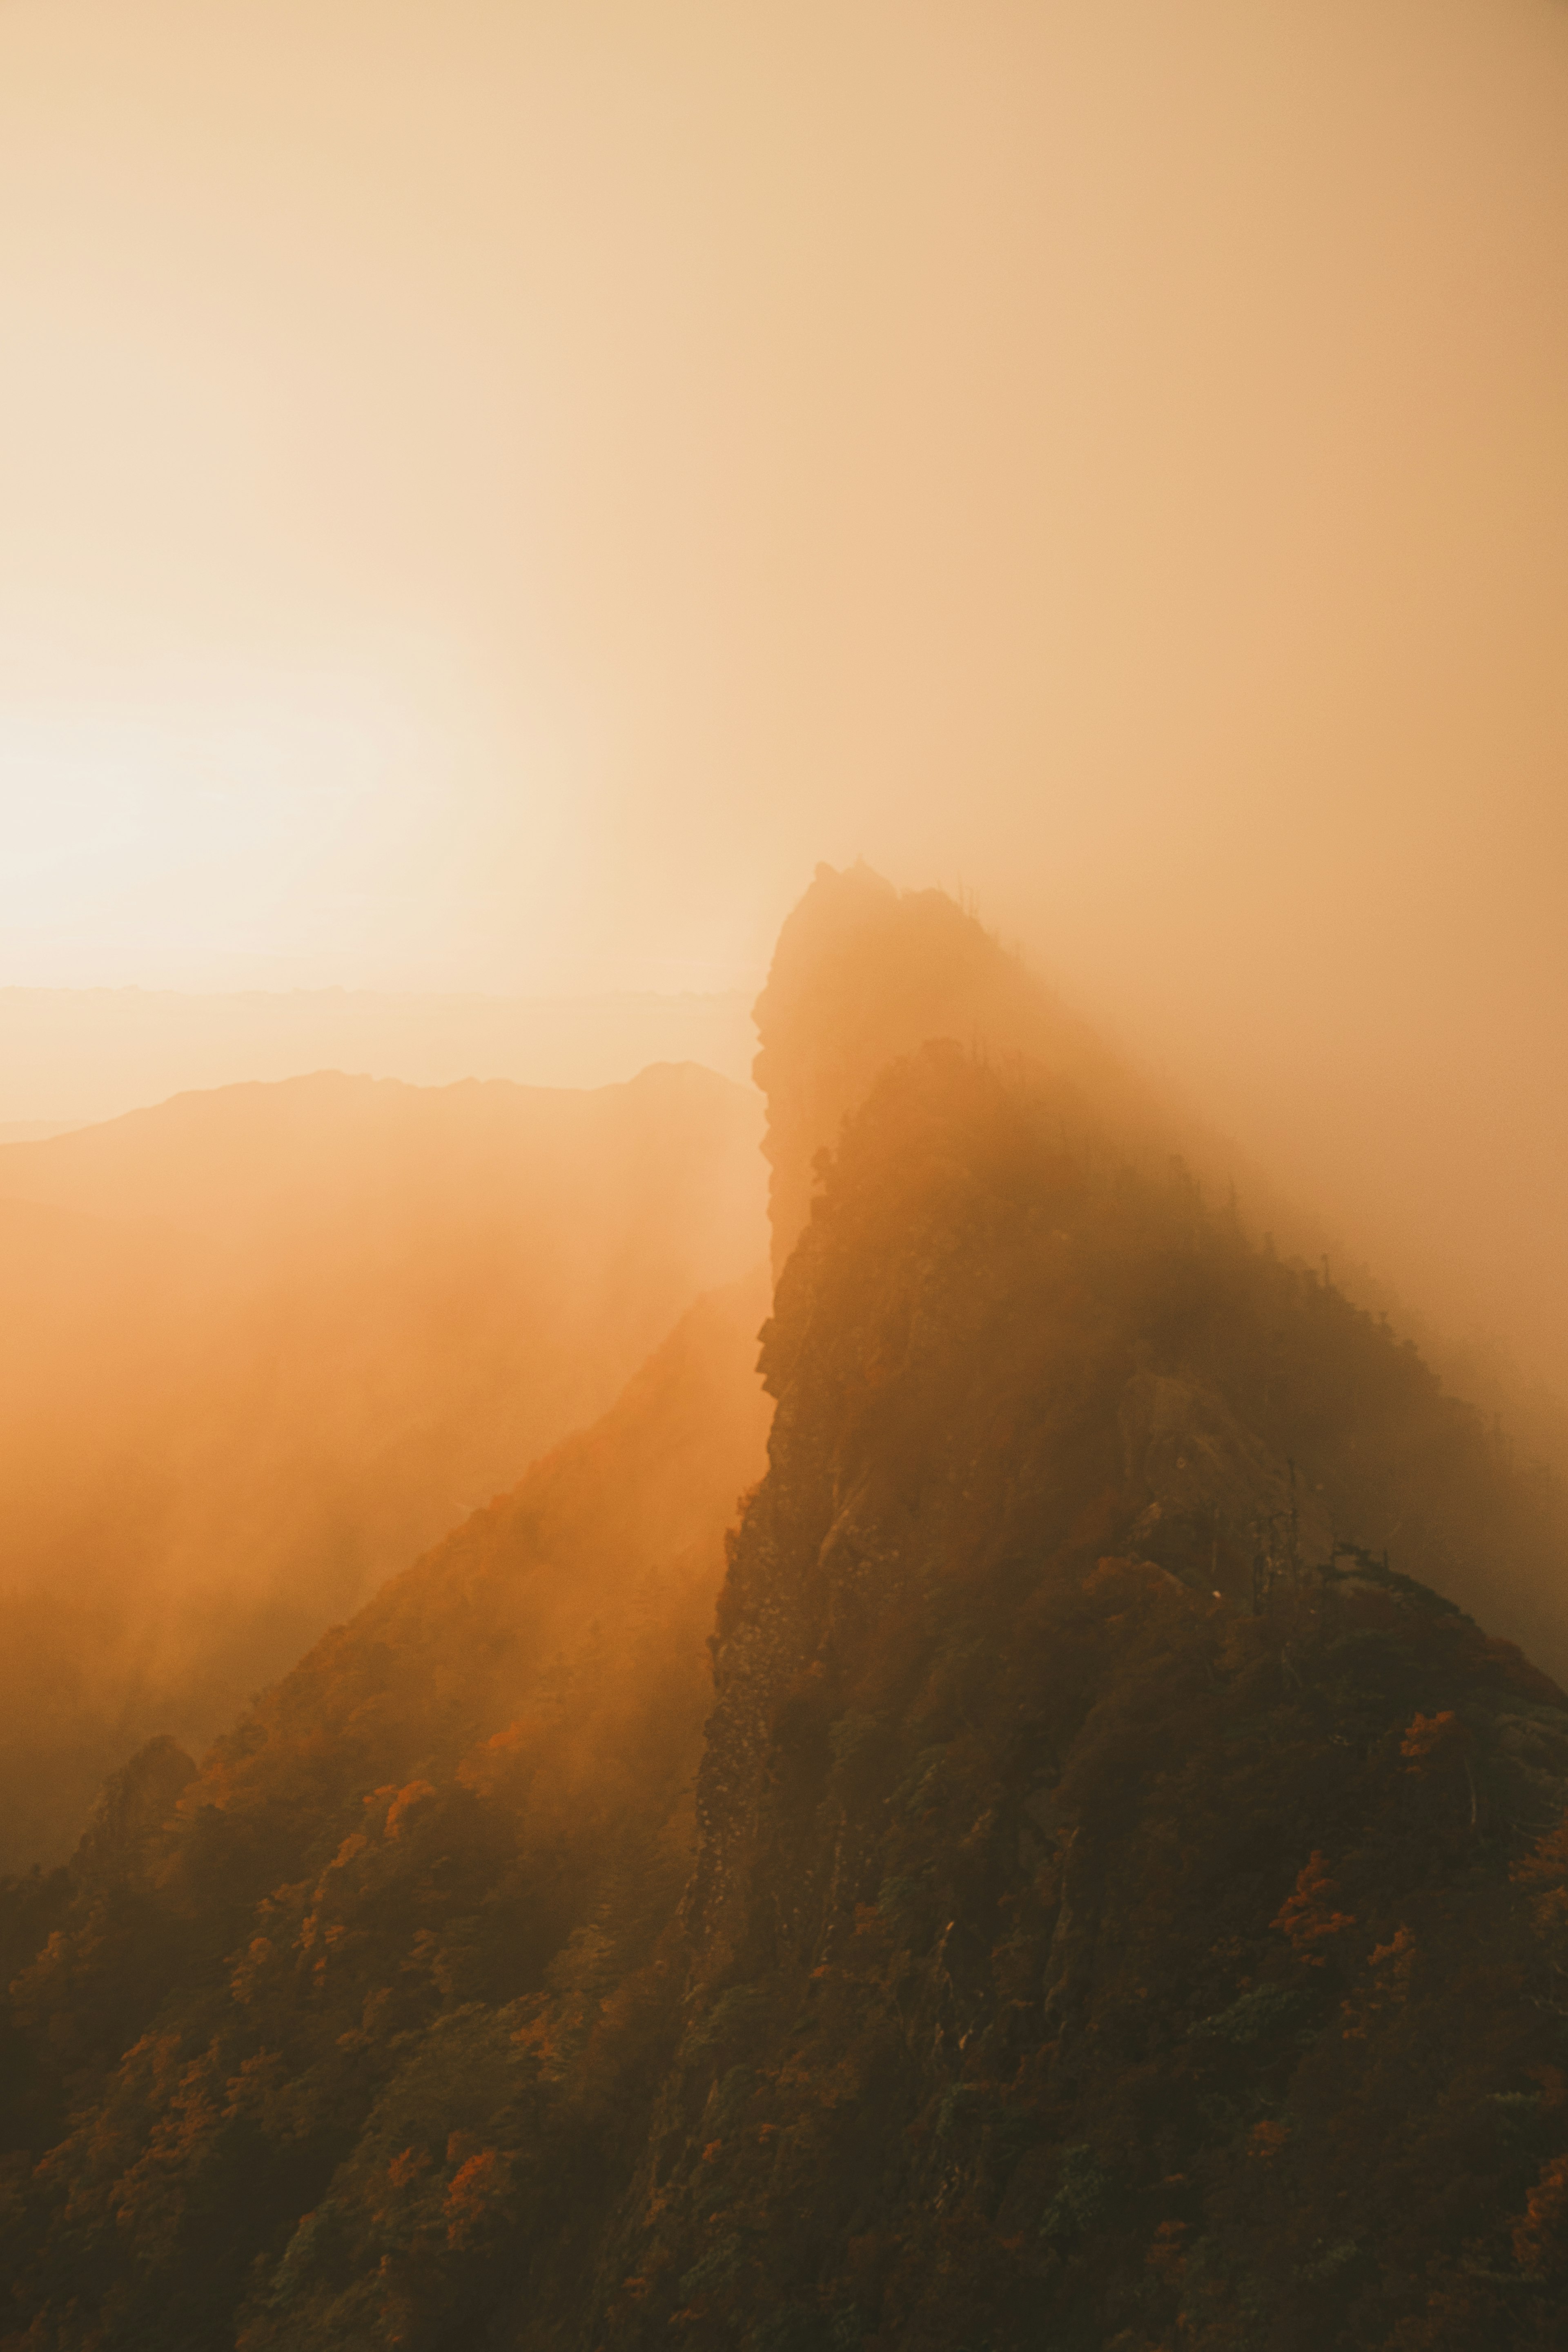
<point x="1080" y="1955"/>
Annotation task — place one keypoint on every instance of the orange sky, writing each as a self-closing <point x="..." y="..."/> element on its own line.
<point x="489" y="494"/>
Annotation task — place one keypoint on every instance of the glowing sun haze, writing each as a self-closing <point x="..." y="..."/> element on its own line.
<point x="491" y="494"/>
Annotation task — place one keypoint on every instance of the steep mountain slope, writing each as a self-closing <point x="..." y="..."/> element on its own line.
<point x="460" y="1817"/>
<point x="863" y="974"/>
<point x="1125" y="1909"/>
<point x="1080" y="1955"/>
<point x="264" y="1345"/>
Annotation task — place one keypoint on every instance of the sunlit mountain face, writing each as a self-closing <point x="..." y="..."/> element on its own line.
<point x="1009" y="1788"/>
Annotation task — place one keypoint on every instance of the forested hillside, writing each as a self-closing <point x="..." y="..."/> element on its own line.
<point x="1118" y="1900"/>
<point x="1119" y="1919"/>
<point x="389" y="1901"/>
<point x="264" y="1345"/>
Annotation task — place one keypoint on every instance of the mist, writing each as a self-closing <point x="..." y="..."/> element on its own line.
<point x="266" y="1344"/>
<point x="783" y="1473"/>
<point x="492" y="497"/>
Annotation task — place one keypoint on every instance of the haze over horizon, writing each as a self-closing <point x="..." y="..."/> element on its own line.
<point x="784" y="1107"/>
<point x="492" y="496"/>
<point x="72" y="1058"/>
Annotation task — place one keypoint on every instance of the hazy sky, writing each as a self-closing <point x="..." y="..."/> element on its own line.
<point x="491" y="494"/>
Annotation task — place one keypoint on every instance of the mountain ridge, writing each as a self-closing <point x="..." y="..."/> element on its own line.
<point x="1118" y="1897"/>
<point x="1067" y="1940"/>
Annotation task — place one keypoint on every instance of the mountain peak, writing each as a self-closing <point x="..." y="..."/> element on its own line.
<point x="864" y="973"/>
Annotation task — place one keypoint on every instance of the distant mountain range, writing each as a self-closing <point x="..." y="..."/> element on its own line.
<point x="73" y="1056"/>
